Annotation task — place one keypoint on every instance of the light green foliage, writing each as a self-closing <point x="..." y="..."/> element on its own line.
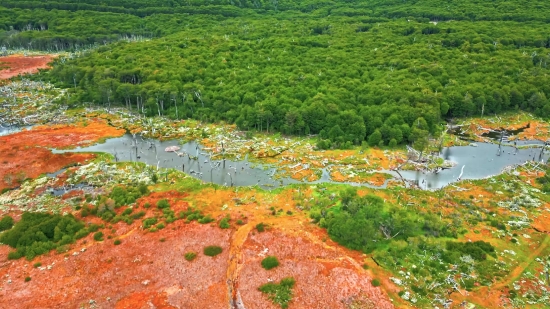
<point x="279" y="293"/>
<point x="189" y="256"/>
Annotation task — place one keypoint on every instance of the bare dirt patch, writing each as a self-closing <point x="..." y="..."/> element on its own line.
<point x="14" y="65"/>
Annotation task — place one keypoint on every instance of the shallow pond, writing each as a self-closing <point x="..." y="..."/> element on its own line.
<point x="475" y="162"/>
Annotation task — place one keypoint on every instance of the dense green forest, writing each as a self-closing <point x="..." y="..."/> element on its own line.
<point x="386" y="72"/>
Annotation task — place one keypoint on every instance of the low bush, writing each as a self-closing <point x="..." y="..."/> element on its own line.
<point x="224" y="223"/>
<point x="163" y="204"/>
<point x="205" y="220"/>
<point x="270" y="262"/>
<point x="117" y="242"/>
<point x="27" y="279"/>
<point x="260" y="227"/>
<point x="375" y="282"/>
<point x="279" y="293"/>
<point x="147" y="223"/>
<point x="98" y="236"/>
<point x="212" y="250"/>
<point x="6" y="223"/>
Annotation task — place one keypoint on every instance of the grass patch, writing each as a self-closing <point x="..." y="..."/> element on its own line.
<point x="189" y="256"/>
<point x="279" y="293"/>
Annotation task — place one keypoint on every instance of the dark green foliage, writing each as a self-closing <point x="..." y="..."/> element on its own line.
<point x="224" y="223"/>
<point x="117" y="242"/>
<point x="260" y="227"/>
<point x="138" y="215"/>
<point x="270" y="262"/>
<point x="27" y="279"/>
<point x="161" y="204"/>
<point x="36" y="265"/>
<point x="545" y="181"/>
<point x="375" y="282"/>
<point x="366" y="223"/>
<point x="38" y="233"/>
<point x="478" y="250"/>
<point x="279" y="293"/>
<point x="160" y="226"/>
<point x="6" y="223"/>
<point x="189" y="256"/>
<point x="206" y="219"/>
<point x="149" y="222"/>
<point x="212" y="250"/>
<point x="127" y="195"/>
<point x="98" y="236"/>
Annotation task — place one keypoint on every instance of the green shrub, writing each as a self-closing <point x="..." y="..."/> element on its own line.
<point x="117" y="242"/>
<point x="98" y="236"/>
<point x="146" y="205"/>
<point x="147" y="223"/>
<point x="270" y="262"/>
<point x="163" y="204"/>
<point x="240" y="222"/>
<point x="160" y="226"/>
<point x="36" y="265"/>
<point x="224" y="223"/>
<point x="375" y="282"/>
<point x="279" y="293"/>
<point x="27" y="279"/>
<point x="212" y="250"/>
<point x="260" y="227"/>
<point x="127" y="211"/>
<point x="189" y="256"/>
<point x="6" y="223"/>
<point x="205" y="220"/>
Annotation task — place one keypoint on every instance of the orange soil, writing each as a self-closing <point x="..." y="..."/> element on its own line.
<point x="18" y="64"/>
<point x="69" y="136"/>
<point x="146" y="272"/>
<point x="537" y="130"/>
<point x="22" y="154"/>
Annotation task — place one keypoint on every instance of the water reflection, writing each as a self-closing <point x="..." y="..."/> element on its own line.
<point x="473" y="162"/>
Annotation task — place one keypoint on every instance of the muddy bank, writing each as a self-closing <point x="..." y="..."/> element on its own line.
<point x="24" y="154"/>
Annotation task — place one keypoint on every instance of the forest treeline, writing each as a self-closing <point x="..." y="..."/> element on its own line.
<point x="363" y="76"/>
<point x="440" y="10"/>
<point x="343" y="78"/>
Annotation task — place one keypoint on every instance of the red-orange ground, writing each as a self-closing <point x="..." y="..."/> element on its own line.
<point x="11" y="66"/>
<point x="23" y="154"/>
